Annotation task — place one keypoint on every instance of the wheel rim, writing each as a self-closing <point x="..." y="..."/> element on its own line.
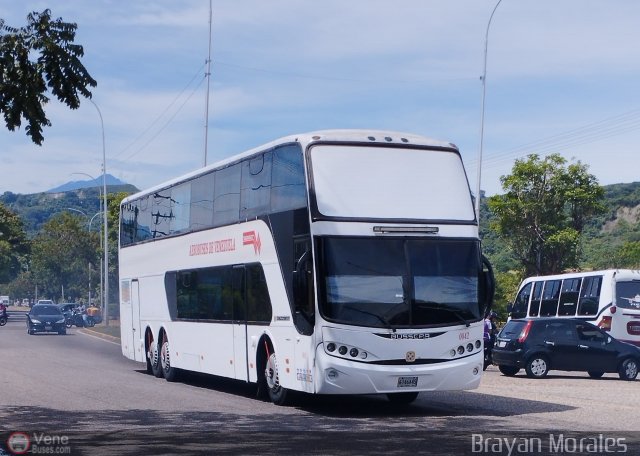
<point x="538" y="366"/>
<point x="164" y="356"/>
<point x="271" y="373"/>
<point x="631" y="370"/>
<point x="153" y="354"/>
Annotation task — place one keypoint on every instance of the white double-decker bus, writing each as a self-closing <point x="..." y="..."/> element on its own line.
<point x="333" y="262"/>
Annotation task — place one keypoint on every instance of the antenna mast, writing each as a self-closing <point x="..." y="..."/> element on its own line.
<point x="208" y="76"/>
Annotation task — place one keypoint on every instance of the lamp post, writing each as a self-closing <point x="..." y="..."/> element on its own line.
<point x="484" y="85"/>
<point x="100" y="212"/>
<point x="104" y="202"/>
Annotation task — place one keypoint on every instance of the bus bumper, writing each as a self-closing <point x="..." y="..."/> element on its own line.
<point x="342" y="376"/>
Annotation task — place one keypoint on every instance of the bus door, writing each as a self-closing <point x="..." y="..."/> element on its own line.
<point x="240" y="354"/>
<point x="137" y="345"/>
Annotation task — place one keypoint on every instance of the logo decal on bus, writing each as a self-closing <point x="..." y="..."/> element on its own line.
<point x="252" y="238"/>
<point x="410" y="336"/>
<point x="206" y="248"/>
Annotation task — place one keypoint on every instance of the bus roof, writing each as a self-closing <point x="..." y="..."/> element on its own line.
<point x="628" y="274"/>
<point x="345" y="135"/>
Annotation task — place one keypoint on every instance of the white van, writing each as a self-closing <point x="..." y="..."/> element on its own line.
<point x="608" y="298"/>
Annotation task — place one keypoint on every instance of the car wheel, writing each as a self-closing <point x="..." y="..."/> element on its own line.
<point x="402" y="398"/>
<point x="62" y="332"/>
<point x="509" y="371"/>
<point x="29" y="331"/>
<point x="595" y="374"/>
<point x="537" y="366"/>
<point x="628" y="369"/>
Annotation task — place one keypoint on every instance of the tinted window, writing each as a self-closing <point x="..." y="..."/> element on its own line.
<point x="512" y="329"/>
<point x="534" y="307"/>
<point x="522" y="302"/>
<point x="559" y="330"/>
<point x="590" y="295"/>
<point x="628" y="294"/>
<point x="202" y="202"/>
<point x="45" y="310"/>
<point x="255" y="191"/>
<point x="180" y="208"/>
<point x="550" y="295"/>
<point x="288" y="181"/>
<point x="589" y="333"/>
<point x="161" y="214"/>
<point x="226" y="203"/>
<point x="219" y="293"/>
<point x="569" y="296"/>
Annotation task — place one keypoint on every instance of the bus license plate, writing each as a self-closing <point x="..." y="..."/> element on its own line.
<point x="407" y="382"/>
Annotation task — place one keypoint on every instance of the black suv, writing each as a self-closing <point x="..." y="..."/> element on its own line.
<point x="567" y="344"/>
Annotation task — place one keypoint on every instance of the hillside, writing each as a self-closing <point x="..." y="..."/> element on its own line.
<point x="36" y="208"/>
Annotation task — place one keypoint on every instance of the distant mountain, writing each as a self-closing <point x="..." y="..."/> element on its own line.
<point x="77" y="185"/>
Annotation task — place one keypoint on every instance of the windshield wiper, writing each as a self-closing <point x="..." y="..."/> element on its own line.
<point x="437" y="306"/>
<point x="379" y="317"/>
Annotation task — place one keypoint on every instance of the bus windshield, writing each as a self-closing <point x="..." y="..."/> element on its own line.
<point x="628" y="294"/>
<point x="400" y="282"/>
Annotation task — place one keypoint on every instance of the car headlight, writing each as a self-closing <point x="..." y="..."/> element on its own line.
<point x="60" y="321"/>
<point x="33" y="320"/>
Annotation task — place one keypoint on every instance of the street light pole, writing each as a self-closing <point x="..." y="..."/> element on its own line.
<point x="104" y="196"/>
<point x="484" y="85"/>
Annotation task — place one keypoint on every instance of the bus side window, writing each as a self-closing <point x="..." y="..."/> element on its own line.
<point x="534" y="308"/>
<point x="522" y="302"/>
<point x="590" y="296"/>
<point x="569" y="297"/>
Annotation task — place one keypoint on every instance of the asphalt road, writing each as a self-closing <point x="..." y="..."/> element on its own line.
<point x="80" y="387"/>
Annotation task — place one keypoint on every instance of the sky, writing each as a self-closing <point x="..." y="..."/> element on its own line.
<point x="561" y="77"/>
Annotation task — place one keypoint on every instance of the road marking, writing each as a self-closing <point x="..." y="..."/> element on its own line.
<point x="99" y="338"/>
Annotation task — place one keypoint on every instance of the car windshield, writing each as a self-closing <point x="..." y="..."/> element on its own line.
<point x="45" y="310"/>
<point x="628" y="294"/>
<point x="400" y="282"/>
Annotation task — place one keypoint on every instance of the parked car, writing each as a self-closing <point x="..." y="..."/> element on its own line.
<point x="569" y="344"/>
<point x="46" y="318"/>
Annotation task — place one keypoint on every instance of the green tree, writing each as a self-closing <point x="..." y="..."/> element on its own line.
<point x="34" y="59"/>
<point x="544" y="211"/>
<point x="14" y="246"/>
<point x="61" y="255"/>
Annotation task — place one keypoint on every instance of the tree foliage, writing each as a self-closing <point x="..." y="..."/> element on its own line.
<point x="14" y="246"/>
<point x="35" y="59"/>
<point x="544" y="210"/>
<point x="61" y="257"/>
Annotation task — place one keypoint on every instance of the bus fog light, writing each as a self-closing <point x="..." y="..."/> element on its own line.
<point x="476" y="371"/>
<point x="460" y="350"/>
<point x="332" y="374"/>
<point x="452" y="353"/>
<point x="478" y="343"/>
<point x="469" y="347"/>
<point x="331" y="347"/>
<point x="342" y="350"/>
<point x="363" y="355"/>
<point x="353" y="352"/>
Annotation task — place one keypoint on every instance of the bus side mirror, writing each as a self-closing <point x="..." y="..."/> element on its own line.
<point x="509" y="307"/>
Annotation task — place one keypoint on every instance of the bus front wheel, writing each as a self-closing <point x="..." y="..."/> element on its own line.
<point x="277" y="393"/>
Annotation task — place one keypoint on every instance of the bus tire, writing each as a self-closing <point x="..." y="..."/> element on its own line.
<point x="402" y="398"/>
<point x="628" y="369"/>
<point x="154" y="360"/>
<point x="537" y="366"/>
<point x="170" y="373"/>
<point x="278" y="394"/>
<point x="595" y="374"/>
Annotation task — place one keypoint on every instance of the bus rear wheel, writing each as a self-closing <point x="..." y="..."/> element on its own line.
<point x="153" y="360"/>
<point x="170" y="373"/>
<point x="278" y="394"/>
